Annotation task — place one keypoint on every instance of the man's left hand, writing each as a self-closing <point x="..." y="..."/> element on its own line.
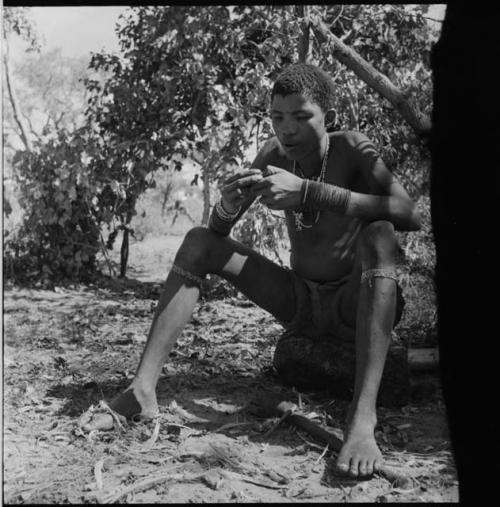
<point x="279" y="189"/>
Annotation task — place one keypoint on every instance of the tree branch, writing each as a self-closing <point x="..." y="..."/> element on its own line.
<point x="304" y="48"/>
<point x="420" y="123"/>
<point x="23" y="134"/>
<point x="32" y="129"/>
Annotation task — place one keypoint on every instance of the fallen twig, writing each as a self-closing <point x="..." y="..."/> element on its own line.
<point x="309" y="443"/>
<point x="115" y="415"/>
<point x="144" y="483"/>
<point x="183" y="477"/>
<point x="152" y="440"/>
<point x="98" y="474"/>
<point x="232" y="425"/>
<point x="251" y="480"/>
<point x="322" y="454"/>
<point x="276" y="424"/>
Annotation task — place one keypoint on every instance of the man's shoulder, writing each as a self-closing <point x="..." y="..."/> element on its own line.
<point x="355" y="146"/>
<point x="349" y="138"/>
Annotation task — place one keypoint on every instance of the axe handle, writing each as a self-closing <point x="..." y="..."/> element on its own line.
<point x="335" y="443"/>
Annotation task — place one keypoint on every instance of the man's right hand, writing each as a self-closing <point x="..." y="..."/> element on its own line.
<point x="235" y="189"/>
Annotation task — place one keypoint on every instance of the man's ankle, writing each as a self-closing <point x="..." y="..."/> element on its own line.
<point x="141" y="388"/>
<point x="362" y="415"/>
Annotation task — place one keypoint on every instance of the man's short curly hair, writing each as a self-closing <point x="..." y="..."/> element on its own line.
<point x="308" y="80"/>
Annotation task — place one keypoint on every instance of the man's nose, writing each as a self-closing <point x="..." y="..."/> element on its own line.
<point x="289" y="127"/>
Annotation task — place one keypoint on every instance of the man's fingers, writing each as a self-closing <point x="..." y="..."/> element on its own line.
<point x="235" y="195"/>
<point x="270" y="203"/>
<point x="274" y="206"/>
<point x="241" y="182"/>
<point x="241" y="174"/>
<point x="259" y="187"/>
<point x="272" y="169"/>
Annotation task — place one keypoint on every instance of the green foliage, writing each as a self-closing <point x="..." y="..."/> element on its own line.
<point x="60" y="235"/>
<point x="193" y="82"/>
<point x="59" y="98"/>
<point x="264" y="231"/>
<point x="17" y="20"/>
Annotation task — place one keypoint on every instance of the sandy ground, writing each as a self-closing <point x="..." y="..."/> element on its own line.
<point x="67" y="349"/>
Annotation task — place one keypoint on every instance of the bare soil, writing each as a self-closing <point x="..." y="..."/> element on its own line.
<point x="67" y="349"/>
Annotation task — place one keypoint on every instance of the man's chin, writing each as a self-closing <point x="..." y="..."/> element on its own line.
<point x="291" y="152"/>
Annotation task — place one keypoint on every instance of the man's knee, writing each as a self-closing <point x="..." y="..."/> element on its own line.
<point x="378" y="243"/>
<point x="195" y="249"/>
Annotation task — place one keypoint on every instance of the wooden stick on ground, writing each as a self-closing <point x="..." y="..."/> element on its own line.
<point x="335" y="443"/>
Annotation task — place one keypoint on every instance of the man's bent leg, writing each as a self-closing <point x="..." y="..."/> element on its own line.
<point x="205" y="252"/>
<point x="202" y="252"/>
<point x="375" y="312"/>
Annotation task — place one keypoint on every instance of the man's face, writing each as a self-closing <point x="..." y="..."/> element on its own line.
<point x="298" y="123"/>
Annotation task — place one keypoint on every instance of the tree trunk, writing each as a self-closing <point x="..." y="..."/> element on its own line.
<point x="23" y="131"/>
<point x="125" y="241"/>
<point x="205" y="176"/>
<point x="166" y="196"/>
<point x="124" y="253"/>
<point x="304" y="46"/>
<point x="379" y="82"/>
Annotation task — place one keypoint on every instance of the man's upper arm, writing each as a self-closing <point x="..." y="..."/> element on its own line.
<point x="375" y="174"/>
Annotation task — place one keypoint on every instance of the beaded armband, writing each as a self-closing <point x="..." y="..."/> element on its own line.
<point x="221" y="221"/>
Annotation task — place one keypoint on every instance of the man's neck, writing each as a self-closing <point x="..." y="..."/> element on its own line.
<point x="311" y="164"/>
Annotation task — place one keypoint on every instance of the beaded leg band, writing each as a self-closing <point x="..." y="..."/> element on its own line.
<point x="370" y="274"/>
<point x="186" y="274"/>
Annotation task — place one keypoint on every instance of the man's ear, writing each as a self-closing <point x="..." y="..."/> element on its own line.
<point x="330" y="118"/>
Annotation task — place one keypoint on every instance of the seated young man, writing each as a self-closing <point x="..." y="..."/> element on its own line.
<point x="342" y="206"/>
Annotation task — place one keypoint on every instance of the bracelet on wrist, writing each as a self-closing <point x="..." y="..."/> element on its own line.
<point x="305" y="186"/>
<point x="323" y="196"/>
<point x="224" y="215"/>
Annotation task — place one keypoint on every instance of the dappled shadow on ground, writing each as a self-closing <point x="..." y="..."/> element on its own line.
<point x="67" y="350"/>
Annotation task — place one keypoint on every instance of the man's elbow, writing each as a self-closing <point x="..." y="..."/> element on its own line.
<point x="414" y="219"/>
<point x="408" y="219"/>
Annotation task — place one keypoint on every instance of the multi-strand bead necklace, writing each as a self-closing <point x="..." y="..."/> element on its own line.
<point x="299" y="215"/>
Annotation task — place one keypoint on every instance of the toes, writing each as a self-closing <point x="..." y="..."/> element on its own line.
<point x="363" y="467"/>
<point x="342" y="467"/>
<point x="377" y="465"/>
<point x="369" y="467"/>
<point x="99" y="422"/>
<point x="354" y="468"/>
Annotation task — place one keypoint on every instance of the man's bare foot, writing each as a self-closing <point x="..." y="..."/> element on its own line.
<point x="133" y="403"/>
<point x="360" y="455"/>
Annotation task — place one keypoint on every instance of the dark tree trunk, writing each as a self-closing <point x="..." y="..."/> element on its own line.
<point x="124" y="253"/>
<point x="464" y="207"/>
<point x="304" y="42"/>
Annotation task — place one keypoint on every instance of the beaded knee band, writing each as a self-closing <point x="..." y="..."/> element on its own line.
<point x="369" y="274"/>
<point x="186" y="274"/>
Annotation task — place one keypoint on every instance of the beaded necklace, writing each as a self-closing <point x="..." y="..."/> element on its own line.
<point x="299" y="215"/>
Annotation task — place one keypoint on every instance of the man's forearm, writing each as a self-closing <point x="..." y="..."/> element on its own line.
<point x="220" y="221"/>
<point x="400" y="212"/>
<point x="324" y="196"/>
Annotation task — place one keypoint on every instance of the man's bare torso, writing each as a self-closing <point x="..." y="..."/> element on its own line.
<point x="326" y="251"/>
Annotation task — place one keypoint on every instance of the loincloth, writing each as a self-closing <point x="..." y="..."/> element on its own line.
<point x="318" y="309"/>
